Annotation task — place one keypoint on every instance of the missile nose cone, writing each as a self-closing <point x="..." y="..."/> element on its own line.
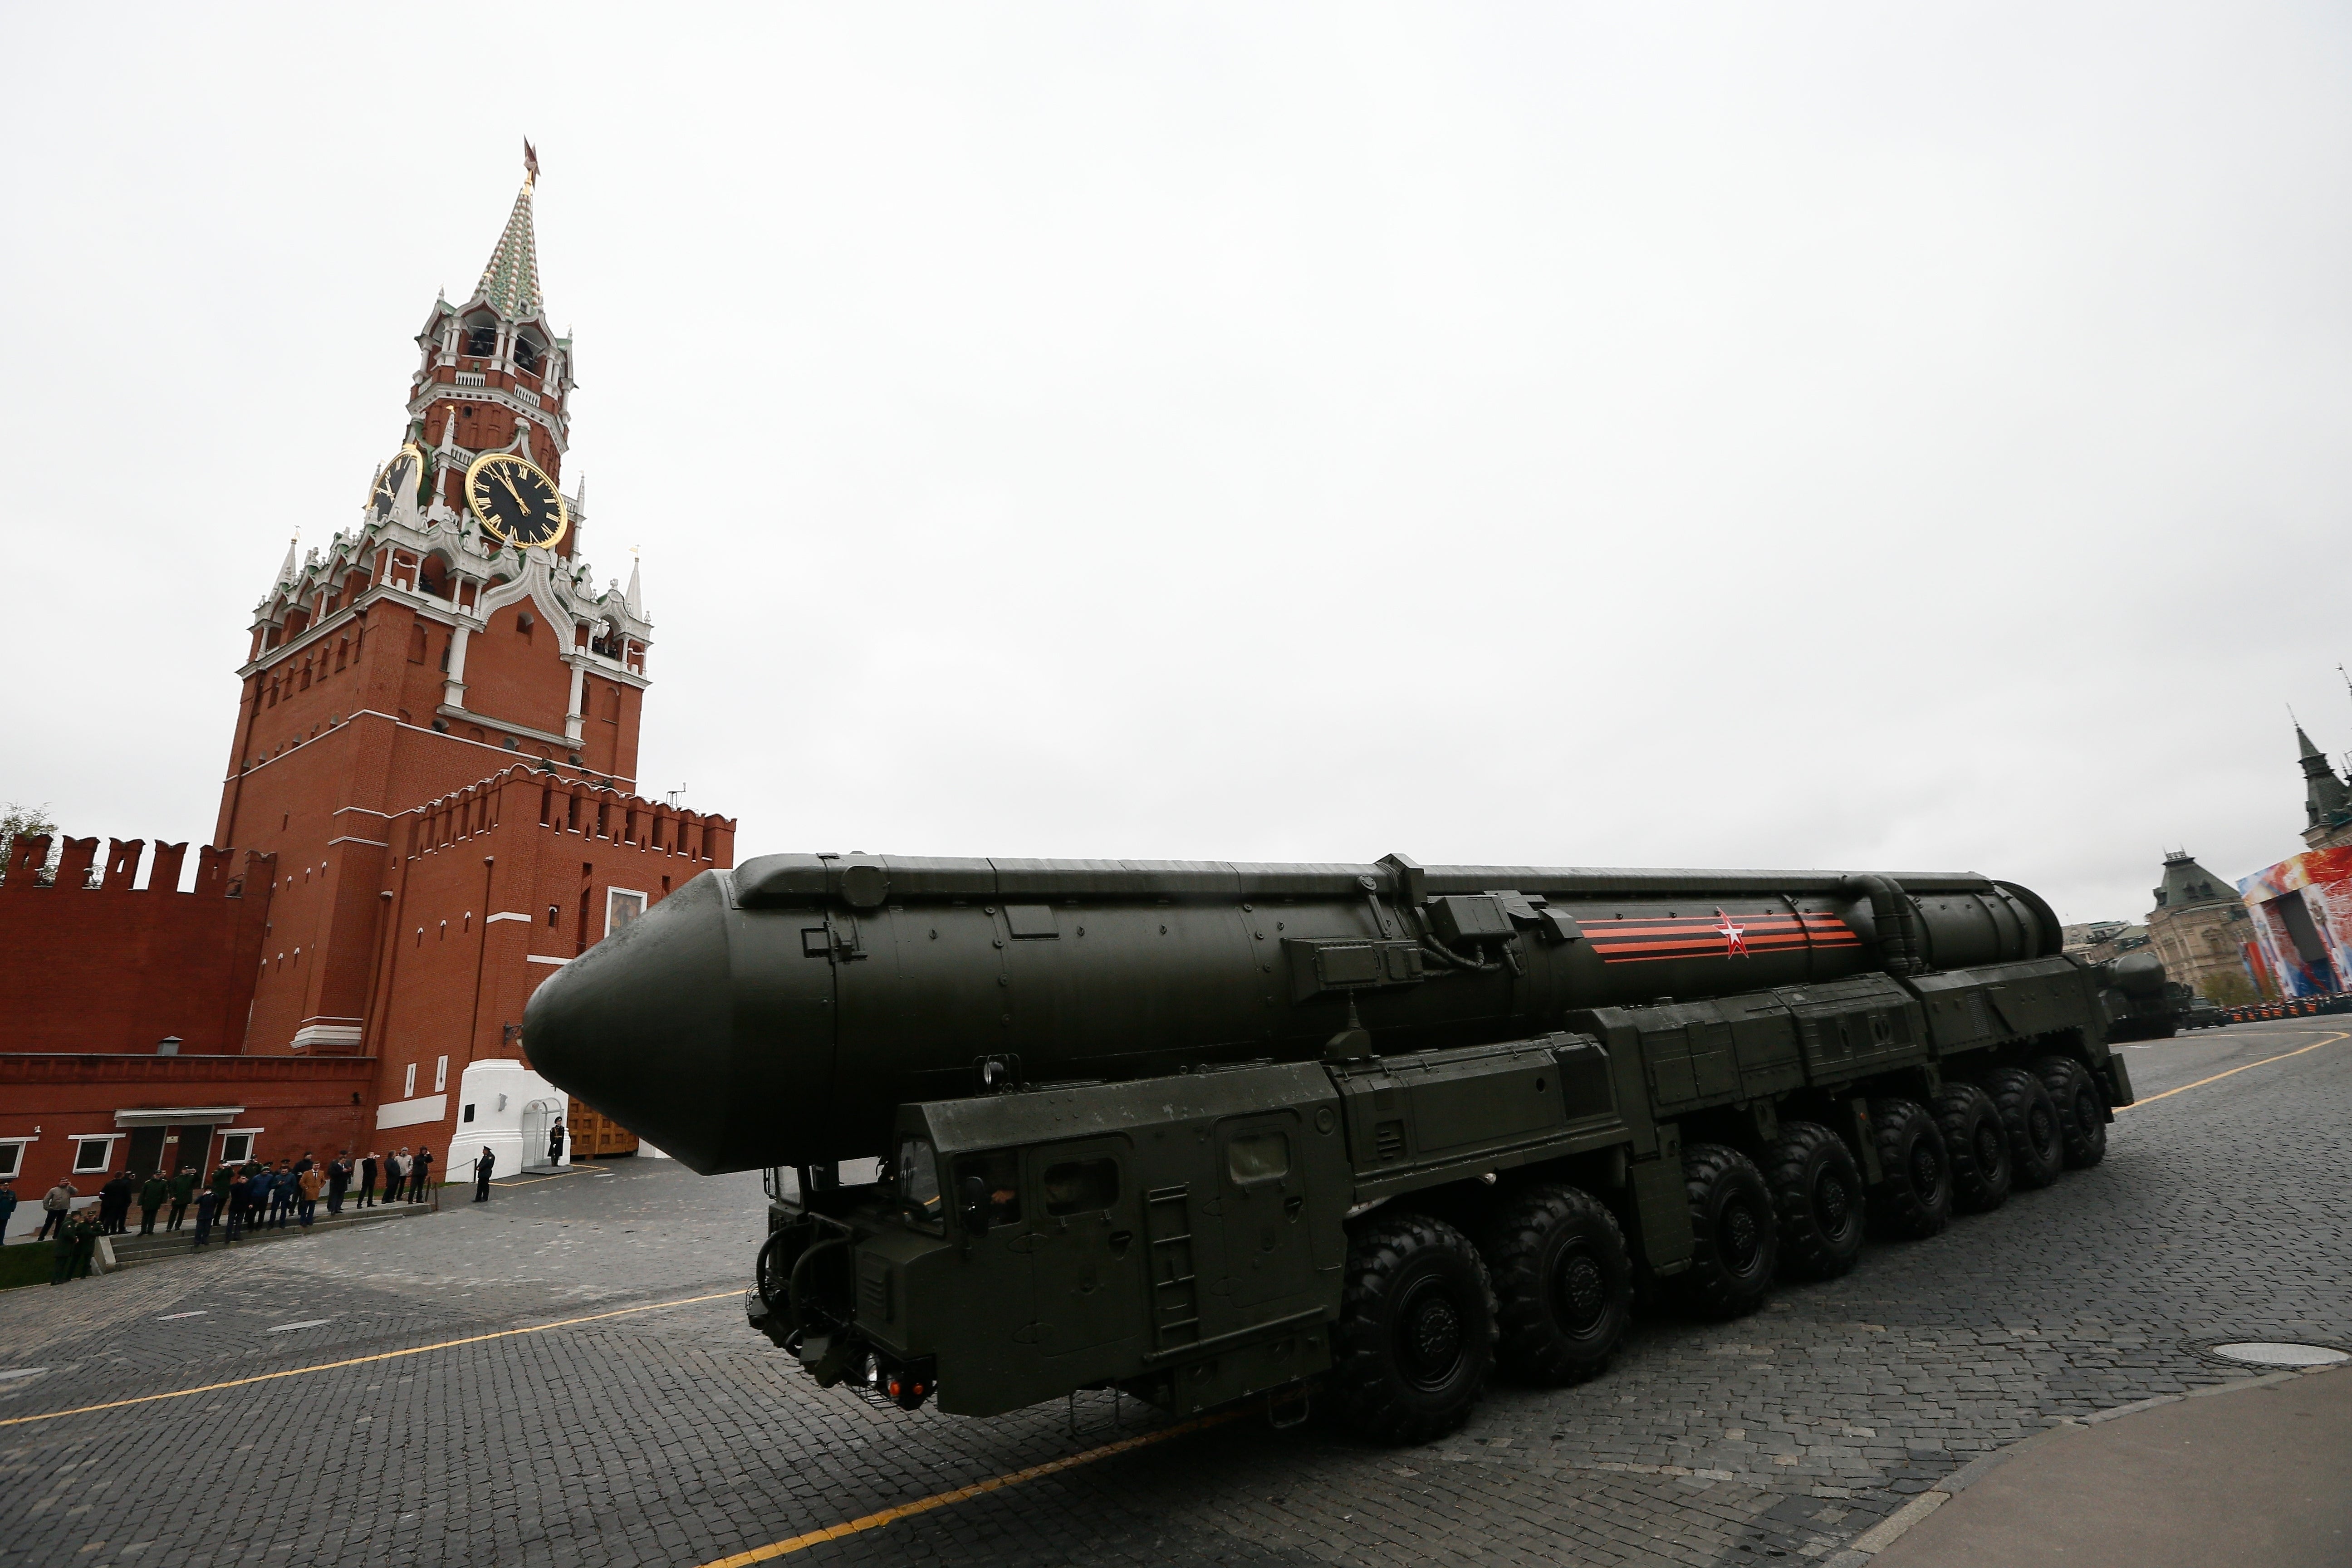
<point x="647" y="1027"/>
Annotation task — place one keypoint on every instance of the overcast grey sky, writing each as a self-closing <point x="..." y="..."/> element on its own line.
<point x="1892" y="437"/>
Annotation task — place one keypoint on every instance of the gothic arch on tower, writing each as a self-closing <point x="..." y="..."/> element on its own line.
<point x="537" y="584"/>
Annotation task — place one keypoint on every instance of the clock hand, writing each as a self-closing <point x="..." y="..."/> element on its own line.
<point x="511" y="491"/>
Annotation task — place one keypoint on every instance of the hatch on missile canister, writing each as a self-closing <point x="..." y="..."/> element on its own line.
<point x="1140" y="1123"/>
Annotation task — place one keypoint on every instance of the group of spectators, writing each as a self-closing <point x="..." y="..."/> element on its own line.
<point x="253" y="1196"/>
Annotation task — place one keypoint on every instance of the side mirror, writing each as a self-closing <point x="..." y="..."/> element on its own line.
<point x="974" y="1193"/>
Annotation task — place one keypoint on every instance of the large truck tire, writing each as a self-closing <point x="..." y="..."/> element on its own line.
<point x="1735" y="1237"/>
<point x="2082" y="1113"/>
<point x="1978" y="1147"/>
<point x="1818" y="1196"/>
<point x="1415" y="1342"/>
<point x="1563" y="1284"/>
<point x="1913" y="1199"/>
<point x="2037" y="1144"/>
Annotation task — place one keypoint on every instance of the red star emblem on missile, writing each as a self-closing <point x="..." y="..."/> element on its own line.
<point x="1735" y="935"/>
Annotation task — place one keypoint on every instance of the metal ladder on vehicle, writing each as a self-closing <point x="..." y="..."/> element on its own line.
<point x="1175" y="1297"/>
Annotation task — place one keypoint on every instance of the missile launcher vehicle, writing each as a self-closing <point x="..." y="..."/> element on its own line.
<point x="1354" y="1134"/>
<point x="2139" y="1000"/>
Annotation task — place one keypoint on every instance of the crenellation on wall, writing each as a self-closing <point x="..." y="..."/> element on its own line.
<point x="122" y="865"/>
<point x="119" y="967"/>
<point x="74" y="863"/>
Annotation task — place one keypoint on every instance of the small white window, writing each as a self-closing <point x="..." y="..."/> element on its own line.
<point x="622" y="908"/>
<point x="93" y="1154"/>
<point x="408" y="1085"/>
<point x="12" y="1159"/>
<point x="236" y="1148"/>
<point x="441" y="1074"/>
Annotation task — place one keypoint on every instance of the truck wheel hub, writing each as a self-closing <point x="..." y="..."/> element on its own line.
<point x="1741" y="1236"/>
<point x="1832" y="1200"/>
<point x="1432" y="1336"/>
<point x="1579" y="1293"/>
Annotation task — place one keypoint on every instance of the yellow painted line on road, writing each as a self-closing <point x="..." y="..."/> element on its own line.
<point x="2200" y="1083"/>
<point x="364" y="1360"/>
<point x="941" y="1499"/>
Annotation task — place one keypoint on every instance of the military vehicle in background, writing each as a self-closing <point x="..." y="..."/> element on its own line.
<point x="1360" y="1132"/>
<point x="2138" y="1001"/>
<point x="2203" y="1013"/>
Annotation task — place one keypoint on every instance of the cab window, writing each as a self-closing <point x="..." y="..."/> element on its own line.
<point x="918" y="1178"/>
<point x="1080" y="1186"/>
<point x="1000" y="1185"/>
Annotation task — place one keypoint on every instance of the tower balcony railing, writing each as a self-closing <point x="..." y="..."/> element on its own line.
<point x="534" y="371"/>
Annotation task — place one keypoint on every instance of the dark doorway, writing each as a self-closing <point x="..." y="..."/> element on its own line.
<point x="146" y="1149"/>
<point x="194" y="1144"/>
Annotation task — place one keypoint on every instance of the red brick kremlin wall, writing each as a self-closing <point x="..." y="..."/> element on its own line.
<point x="119" y="967"/>
<point x="495" y="887"/>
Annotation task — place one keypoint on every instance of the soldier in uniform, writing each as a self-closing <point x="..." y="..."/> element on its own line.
<point x="183" y="1188"/>
<point x="151" y="1194"/>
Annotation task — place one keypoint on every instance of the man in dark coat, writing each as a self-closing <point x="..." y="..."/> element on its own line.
<point x="61" y="1265"/>
<point x="77" y="1243"/>
<point x="184" y="1189"/>
<point x="367" y="1181"/>
<point x="114" y="1203"/>
<point x="422" y="1180"/>
<point x="555" y="1142"/>
<point x="483" y="1168"/>
<point x="339" y="1177"/>
<point x="86" y="1232"/>
<point x="204" y="1209"/>
<point x="151" y="1194"/>
<point x="283" y="1195"/>
<point x="240" y="1196"/>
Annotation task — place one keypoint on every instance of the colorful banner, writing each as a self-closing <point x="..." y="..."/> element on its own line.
<point x="2301" y="910"/>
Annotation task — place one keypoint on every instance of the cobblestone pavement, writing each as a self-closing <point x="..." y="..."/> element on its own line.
<point x="673" y="1436"/>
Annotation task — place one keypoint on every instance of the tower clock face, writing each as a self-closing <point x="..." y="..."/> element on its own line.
<point x="405" y="473"/>
<point x="515" y="500"/>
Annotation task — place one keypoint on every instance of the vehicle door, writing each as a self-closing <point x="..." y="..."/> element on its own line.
<point x="1262" y="1200"/>
<point x="1084" y="1255"/>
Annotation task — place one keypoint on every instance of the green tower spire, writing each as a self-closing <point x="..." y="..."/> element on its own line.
<point x="2325" y="798"/>
<point x="509" y="283"/>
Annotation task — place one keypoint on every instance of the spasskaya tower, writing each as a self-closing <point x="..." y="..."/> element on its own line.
<point x="445" y="673"/>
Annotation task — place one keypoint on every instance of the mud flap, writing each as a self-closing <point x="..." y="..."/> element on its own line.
<point x="1661" y="1213"/>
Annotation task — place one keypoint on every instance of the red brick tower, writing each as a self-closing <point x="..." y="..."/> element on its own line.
<point x="451" y="633"/>
<point x="430" y="796"/>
